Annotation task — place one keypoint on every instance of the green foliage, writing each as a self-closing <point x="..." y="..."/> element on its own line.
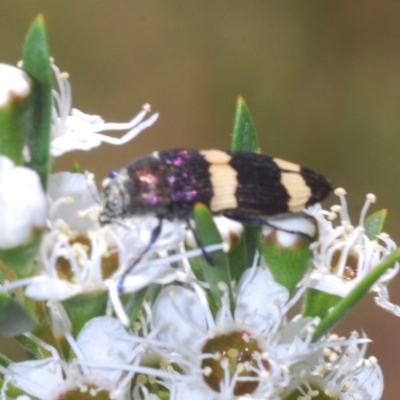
<point x="287" y="264"/>
<point x="36" y="62"/>
<point x="244" y="138"/>
<point x="19" y="259"/>
<point x="14" y="318"/>
<point x="15" y="121"/>
<point x="375" y="223"/>
<point x="82" y="308"/>
<point x="219" y="271"/>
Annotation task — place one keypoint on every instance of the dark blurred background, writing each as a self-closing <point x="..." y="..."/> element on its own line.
<point x="321" y="78"/>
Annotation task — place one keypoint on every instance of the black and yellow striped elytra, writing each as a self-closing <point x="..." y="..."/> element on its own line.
<point x="244" y="186"/>
<point x="241" y="185"/>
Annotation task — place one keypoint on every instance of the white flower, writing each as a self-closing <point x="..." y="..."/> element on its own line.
<point x="104" y="340"/>
<point x="105" y="359"/>
<point x="74" y="130"/>
<point x="228" y="357"/>
<point x="22" y="204"/>
<point x="364" y="382"/>
<point x="14" y="83"/>
<point x="344" y="254"/>
<point x="339" y="370"/>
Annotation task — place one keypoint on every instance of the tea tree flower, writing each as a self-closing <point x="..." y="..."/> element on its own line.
<point x="22" y="204"/>
<point x="104" y="354"/>
<point x="74" y="130"/>
<point x="345" y="254"/>
<point x="231" y="355"/>
<point x="341" y="372"/>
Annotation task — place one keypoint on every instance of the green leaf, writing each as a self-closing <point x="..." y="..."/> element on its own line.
<point x="36" y="62"/>
<point x="243" y="251"/>
<point x="288" y="265"/>
<point x="19" y="259"/>
<point x="15" y="122"/>
<point x="237" y="258"/>
<point x="374" y="223"/>
<point x="14" y="319"/>
<point x="43" y="330"/>
<point x="12" y="391"/>
<point x="82" y="308"/>
<point x="208" y="234"/>
<point x="347" y="303"/>
<point x="244" y="137"/>
<point x="318" y="303"/>
<point x="135" y="303"/>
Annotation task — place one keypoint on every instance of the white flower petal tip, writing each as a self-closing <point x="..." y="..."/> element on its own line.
<point x="23" y="204"/>
<point x="74" y="130"/>
<point x="14" y="83"/>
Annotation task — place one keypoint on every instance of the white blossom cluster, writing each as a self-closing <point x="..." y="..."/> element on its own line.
<point x="179" y="345"/>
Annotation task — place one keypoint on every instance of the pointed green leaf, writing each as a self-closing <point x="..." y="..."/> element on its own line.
<point x="244" y="137"/>
<point x="208" y="234"/>
<point x="32" y="348"/>
<point x="318" y="303"/>
<point x="198" y="264"/>
<point x="288" y="265"/>
<point x="14" y="319"/>
<point x="43" y="330"/>
<point x="15" y="113"/>
<point x="36" y="62"/>
<point x="243" y="251"/>
<point x="237" y="258"/>
<point x="19" y="259"/>
<point x="82" y="308"/>
<point x="153" y="291"/>
<point x="134" y="303"/>
<point x="346" y="304"/>
<point x="374" y="223"/>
